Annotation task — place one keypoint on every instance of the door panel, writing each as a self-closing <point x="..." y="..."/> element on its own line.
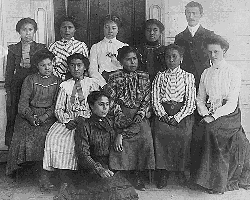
<point x="90" y="13"/>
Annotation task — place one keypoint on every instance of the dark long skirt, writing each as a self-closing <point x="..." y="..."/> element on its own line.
<point x="87" y="185"/>
<point x="221" y="154"/>
<point x="172" y="144"/>
<point x="28" y="142"/>
<point x="138" y="151"/>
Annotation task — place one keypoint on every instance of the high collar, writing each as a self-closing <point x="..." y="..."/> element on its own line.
<point x="108" y="40"/>
<point x="66" y="41"/>
<point x="129" y="72"/>
<point x="153" y="44"/>
<point x="96" y="118"/>
<point x="193" y="29"/>
<point x="26" y="43"/>
<point x="219" y="65"/>
<point x="174" y="71"/>
<point x="43" y="77"/>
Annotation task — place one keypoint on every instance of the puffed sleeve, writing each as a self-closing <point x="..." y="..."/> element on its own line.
<point x="156" y="96"/>
<point x="10" y="68"/>
<point x="233" y="96"/>
<point x="60" y="107"/>
<point x="145" y="104"/>
<point x="51" y="110"/>
<point x="25" y="98"/>
<point x="202" y="96"/>
<point x="85" y="50"/>
<point x="190" y="96"/>
<point x="93" y="67"/>
<point x="82" y="147"/>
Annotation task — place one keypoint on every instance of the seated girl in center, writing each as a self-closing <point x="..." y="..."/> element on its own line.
<point x="71" y="106"/>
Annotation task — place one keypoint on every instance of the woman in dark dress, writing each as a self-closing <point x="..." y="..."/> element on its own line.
<point x="130" y="90"/>
<point x="94" y="139"/>
<point x="17" y="68"/>
<point x="173" y="100"/>
<point x="220" y="150"/>
<point x="35" y="115"/>
<point x="152" y="49"/>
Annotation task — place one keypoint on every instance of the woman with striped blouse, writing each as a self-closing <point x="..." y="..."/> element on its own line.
<point x="71" y="106"/>
<point x="173" y="100"/>
<point x="65" y="47"/>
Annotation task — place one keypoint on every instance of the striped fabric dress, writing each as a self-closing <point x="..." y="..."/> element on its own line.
<point x="172" y="143"/>
<point x="64" y="48"/>
<point x="59" y="145"/>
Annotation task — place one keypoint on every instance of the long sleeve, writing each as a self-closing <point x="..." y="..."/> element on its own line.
<point x="82" y="147"/>
<point x="189" y="104"/>
<point x="51" y="110"/>
<point x="10" y="68"/>
<point x="233" y="96"/>
<point x="124" y="125"/>
<point x="24" y="102"/>
<point x="60" y="108"/>
<point x="85" y="50"/>
<point x="145" y="104"/>
<point x="156" y="96"/>
<point x="201" y="98"/>
<point x="93" y="67"/>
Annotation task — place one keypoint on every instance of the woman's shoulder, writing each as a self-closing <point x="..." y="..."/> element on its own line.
<point x="67" y="83"/>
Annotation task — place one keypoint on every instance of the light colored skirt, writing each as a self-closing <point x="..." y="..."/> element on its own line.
<point x="59" y="151"/>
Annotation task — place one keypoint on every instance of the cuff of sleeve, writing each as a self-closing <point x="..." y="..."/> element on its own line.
<point x="214" y="116"/>
<point x="141" y="113"/>
<point x="177" y="118"/>
<point x="97" y="168"/>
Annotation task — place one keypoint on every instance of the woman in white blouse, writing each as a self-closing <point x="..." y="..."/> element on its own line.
<point x="220" y="150"/>
<point x="173" y="101"/>
<point x="103" y="54"/>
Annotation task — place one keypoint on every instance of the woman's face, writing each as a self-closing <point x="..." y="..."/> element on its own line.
<point x="110" y="30"/>
<point x="215" y="52"/>
<point x="101" y="106"/>
<point x="27" y="32"/>
<point x="173" y="58"/>
<point x="152" y="33"/>
<point x="130" y="62"/>
<point x="45" y="67"/>
<point x="67" y="30"/>
<point x="77" y="68"/>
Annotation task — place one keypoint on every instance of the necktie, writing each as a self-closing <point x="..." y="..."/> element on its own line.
<point x="77" y="89"/>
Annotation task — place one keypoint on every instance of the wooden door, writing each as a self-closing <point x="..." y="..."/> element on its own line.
<point x="89" y="15"/>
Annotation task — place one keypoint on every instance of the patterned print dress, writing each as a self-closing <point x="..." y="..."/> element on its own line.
<point x="62" y="49"/>
<point x="59" y="146"/>
<point x="38" y="97"/>
<point x="131" y="94"/>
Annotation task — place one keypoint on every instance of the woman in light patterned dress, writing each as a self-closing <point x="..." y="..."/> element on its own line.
<point x="71" y="106"/>
<point x="173" y="100"/>
<point x="65" y="47"/>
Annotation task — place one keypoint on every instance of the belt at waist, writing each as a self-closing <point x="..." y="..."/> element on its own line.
<point x="172" y="107"/>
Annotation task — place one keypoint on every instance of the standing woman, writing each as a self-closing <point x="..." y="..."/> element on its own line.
<point x="220" y="150"/>
<point x="71" y="106"/>
<point x="173" y="100"/>
<point x="103" y="54"/>
<point x="130" y="90"/>
<point x="152" y="49"/>
<point x="18" y="67"/>
<point x="67" y="46"/>
<point x="94" y="139"/>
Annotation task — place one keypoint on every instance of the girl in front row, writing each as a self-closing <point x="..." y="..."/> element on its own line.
<point x="71" y="106"/>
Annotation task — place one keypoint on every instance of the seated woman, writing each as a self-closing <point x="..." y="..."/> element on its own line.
<point x="18" y="68"/>
<point x="103" y="54"/>
<point x="67" y="46"/>
<point x="173" y="100"/>
<point x="130" y="90"/>
<point x="71" y="106"/>
<point x="220" y="150"/>
<point x="94" y="138"/>
<point x="36" y="114"/>
<point x="152" y="49"/>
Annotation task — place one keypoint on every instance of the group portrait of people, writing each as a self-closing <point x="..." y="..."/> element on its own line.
<point x="98" y="116"/>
